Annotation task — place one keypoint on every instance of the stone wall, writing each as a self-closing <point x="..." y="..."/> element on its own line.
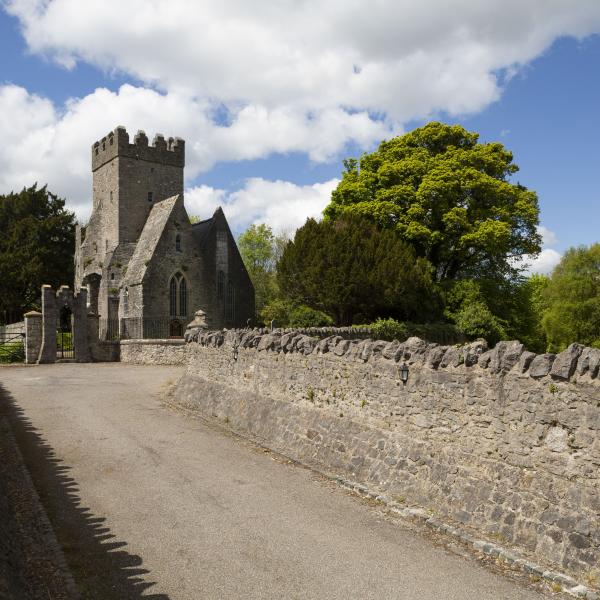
<point x="7" y="332"/>
<point x="504" y="442"/>
<point x="153" y="352"/>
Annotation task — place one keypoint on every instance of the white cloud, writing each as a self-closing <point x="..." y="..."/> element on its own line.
<point x="400" y="57"/>
<point x="281" y="204"/>
<point x="548" y="258"/>
<point x="242" y="80"/>
<point x="51" y="144"/>
<point x="545" y="262"/>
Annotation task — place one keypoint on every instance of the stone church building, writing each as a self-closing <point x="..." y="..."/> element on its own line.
<point x="146" y="267"/>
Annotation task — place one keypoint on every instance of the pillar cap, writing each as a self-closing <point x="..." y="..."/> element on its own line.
<point x="33" y="313"/>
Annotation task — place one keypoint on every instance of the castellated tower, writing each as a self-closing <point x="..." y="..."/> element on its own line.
<point x="129" y="178"/>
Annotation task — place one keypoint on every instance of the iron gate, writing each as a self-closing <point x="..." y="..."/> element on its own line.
<point x="12" y="348"/>
<point x="64" y="335"/>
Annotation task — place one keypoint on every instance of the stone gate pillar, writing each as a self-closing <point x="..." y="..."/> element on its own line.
<point x="33" y="336"/>
<point x="49" y="320"/>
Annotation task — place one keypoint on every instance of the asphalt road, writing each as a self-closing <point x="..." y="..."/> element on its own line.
<point x="150" y="503"/>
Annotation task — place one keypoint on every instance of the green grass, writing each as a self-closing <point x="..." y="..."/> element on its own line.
<point x="12" y="352"/>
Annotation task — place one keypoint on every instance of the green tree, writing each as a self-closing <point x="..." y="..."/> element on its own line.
<point x="36" y="247"/>
<point x="258" y="247"/>
<point x="355" y="271"/>
<point x="447" y="195"/>
<point x="573" y="299"/>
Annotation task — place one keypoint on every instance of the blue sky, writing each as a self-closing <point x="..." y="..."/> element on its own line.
<point x="269" y="114"/>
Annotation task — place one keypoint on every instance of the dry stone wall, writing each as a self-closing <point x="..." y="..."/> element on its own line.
<point x="503" y="441"/>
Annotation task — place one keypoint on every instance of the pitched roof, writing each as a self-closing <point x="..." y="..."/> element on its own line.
<point x="200" y="230"/>
<point x="151" y="234"/>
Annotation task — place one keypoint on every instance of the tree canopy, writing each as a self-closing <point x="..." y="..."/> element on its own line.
<point x="447" y="195"/>
<point x="572" y="297"/>
<point x="36" y="247"/>
<point x="353" y="270"/>
<point x="259" y="248"/>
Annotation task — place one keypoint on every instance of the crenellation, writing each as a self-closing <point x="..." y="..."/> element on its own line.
<point x="116" y="143"/>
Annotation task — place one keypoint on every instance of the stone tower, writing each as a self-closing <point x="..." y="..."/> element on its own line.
<point x="128" y="180"/>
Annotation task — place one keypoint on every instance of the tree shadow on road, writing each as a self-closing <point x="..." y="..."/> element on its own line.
<point x="100" y="565"/>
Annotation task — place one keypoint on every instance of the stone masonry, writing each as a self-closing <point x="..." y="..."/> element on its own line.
<point x="502" y="442"/>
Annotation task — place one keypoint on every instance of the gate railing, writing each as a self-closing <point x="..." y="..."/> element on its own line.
<point x="136" y="328"/>
<point x="12" y="348"/>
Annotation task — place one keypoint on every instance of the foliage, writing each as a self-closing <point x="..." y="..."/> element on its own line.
<point x="450" y="197"/>
<point x="286" y="314"/>
<point x="389" y="329"/>
<point x="194" y="219"/>
<point x="353" y="270"/>
<point x="12" y="352"/>
<point x="573" y="300"/>
<point x="36" y="247"/>
<point x="468" y="308"/>
<point x="260" y="248"/>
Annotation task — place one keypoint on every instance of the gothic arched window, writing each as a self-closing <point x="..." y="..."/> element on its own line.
<point x="178" y="296"/>
<point x="220" y="285"/>
<point x="230" y="303"/>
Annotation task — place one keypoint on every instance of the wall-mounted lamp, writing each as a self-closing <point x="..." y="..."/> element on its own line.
<point x="404" y="372"/>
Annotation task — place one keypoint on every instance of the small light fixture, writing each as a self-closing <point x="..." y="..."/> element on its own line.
<point x="404" y="372"/>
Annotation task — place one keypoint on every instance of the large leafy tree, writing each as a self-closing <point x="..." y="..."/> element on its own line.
<point x="447" y="195"/>
<point x="37" y="241"/>
<point x="353" y="270"/>
<point x="259" y="248"/>
<point x="573" y="299"/>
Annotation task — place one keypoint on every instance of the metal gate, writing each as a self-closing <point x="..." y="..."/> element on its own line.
<point x="12" y="348"/>
<point x="64" y="335"/>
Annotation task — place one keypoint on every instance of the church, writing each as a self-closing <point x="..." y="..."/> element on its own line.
<point x="146" y="267"/>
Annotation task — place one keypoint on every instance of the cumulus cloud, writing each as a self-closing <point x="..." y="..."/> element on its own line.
<point x="51" y="144"/>
<point x="242" y="80"/>
<point x="400" y="57"/>
<point x="283" y="205"/>
<point x="548" y="258"/>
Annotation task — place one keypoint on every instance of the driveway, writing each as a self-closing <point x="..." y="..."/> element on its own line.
<point x="150" y="503"/>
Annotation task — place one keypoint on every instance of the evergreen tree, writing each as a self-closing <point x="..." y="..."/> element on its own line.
<point x="36" y="247"/>
<point x="355" y="271"/>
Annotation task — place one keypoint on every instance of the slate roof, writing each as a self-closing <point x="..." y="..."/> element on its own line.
<point x="200" y="230"/>
<point x="146" y="245"/>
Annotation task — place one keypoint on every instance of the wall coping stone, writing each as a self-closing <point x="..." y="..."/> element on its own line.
<point x="149" y="342"/>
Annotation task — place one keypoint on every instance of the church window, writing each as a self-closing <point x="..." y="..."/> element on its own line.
<point x="220" y="285"/>
<point x="150" y="196"/>
<point x="182" y="297"/>
<point x="178" y="296"/>
<point x="230" y="304"/>
<point x="178" y="243"/>
<point x="112" y="276"/>
<point x="173" y="297"/>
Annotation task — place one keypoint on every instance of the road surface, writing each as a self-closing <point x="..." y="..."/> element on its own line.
<point x="150" y="503"/>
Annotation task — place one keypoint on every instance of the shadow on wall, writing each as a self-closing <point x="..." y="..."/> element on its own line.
<point x="100" y="566"/>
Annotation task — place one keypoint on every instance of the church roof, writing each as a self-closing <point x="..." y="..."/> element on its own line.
<point x="146" y="245"/>
<point x="200" y="230"/>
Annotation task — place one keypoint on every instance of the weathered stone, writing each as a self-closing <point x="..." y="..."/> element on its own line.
<point x="390" y="349"/>
<point x="485" y="359"/>
<point x="589" y="362"/>
<point x="414" y="349"/>
<point x="342" y="347"/>
<point x="434" y="356"/>
<point x="505" y="356"/>
<point x="473" y="351"/>
<point x="453" y="357"/>
<point x="525" y="360"/>
<point x="328" y="344"/>
<point x="378" y="347"/>
<point x="541" y="364"/>
<point x="566" y="362"/>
